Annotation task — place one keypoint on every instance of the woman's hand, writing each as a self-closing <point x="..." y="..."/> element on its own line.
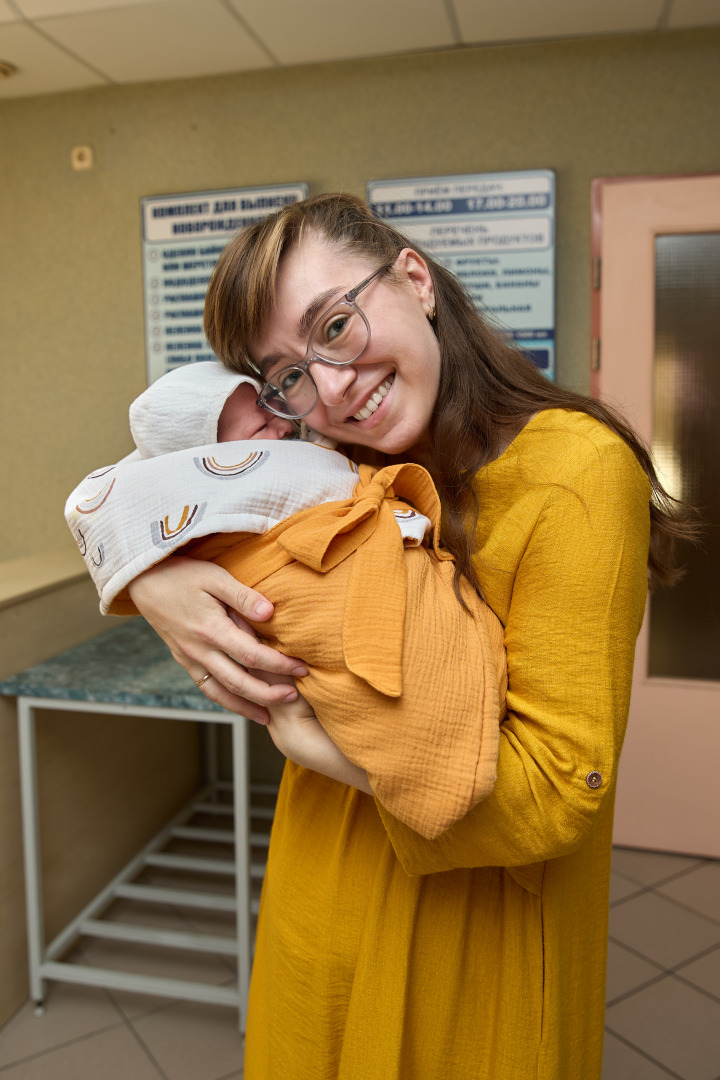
<point x="299" y="735"/>
<point x="197" y="608"/>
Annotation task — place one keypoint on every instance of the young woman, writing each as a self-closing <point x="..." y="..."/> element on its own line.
<point x="479" y="955"/>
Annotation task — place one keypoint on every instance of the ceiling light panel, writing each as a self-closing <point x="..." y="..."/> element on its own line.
<point x="7" y="15"/>
<point x="41" y="67"/>
<point x="47" y="9"/>
<point x="694" y="13"/>
<point x="166" y="39"/>
<point x="319" y="30"/>
<point x="519" y="20"/>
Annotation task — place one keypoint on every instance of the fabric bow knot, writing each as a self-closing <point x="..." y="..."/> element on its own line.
<point x="365" y="526"/>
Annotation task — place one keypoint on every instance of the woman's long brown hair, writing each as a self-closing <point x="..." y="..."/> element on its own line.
<point x="488" y="388"/>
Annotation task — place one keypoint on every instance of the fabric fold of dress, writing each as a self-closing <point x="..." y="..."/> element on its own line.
<point x="408" y="683"/>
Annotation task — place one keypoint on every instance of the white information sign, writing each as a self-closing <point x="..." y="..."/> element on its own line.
<point x="496" y="232"/>
<point x="182" y="238"/>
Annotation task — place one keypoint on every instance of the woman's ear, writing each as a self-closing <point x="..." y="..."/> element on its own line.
<point x="415" y="270"/>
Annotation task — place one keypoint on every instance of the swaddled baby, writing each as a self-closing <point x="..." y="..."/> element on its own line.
<point x="361" y="589"/>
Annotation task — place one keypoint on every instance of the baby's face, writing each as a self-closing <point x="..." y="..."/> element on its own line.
<point x="241" y="418"/>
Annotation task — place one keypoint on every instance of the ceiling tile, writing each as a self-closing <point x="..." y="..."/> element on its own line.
<point x="694" y="13"/>
<point x="164" y="39"/>
<point x="42" y="67"/>
<point x="7" y="15"/>
<point x="39" y="9"/>
<point x="518" y="20"/>
<point x="317" y="30"/>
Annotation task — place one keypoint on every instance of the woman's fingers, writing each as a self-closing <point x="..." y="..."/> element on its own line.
<point x="216" y="692"/>
<point x="235" y="678"/>
<point x="245" y="601"/>
<point x="186" y="601"/>
<point x="246" y="650"/>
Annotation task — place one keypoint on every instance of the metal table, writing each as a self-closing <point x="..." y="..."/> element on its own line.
<point x="129" y="671"/>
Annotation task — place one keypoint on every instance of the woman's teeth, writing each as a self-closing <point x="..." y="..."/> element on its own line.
<point x="372" y="402"/>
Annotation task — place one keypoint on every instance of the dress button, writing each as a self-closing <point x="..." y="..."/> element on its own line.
<point x="593" y="779"/>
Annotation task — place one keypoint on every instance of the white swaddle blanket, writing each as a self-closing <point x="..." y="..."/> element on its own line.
<point x="129" y="516"/>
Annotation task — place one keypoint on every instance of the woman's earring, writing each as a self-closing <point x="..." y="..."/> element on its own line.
<point x="431" y="313"/>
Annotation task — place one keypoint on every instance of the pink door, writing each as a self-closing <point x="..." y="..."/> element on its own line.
<point x="656" y="352"/>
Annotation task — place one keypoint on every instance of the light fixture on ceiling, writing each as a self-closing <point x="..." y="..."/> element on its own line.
<point x="7" y="70"/>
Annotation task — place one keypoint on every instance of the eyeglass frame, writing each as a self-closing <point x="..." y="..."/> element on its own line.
<point x="304" y="364"/>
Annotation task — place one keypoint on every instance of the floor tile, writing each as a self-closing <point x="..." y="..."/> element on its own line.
<point x="649" y="867"/>
<point x="219" y="923"/>
<point x="622" y="1063"/>
<point x="132" y="1005"/>
<point x="675" y="1025"/>
<point x="146" y="960"/>
<point x="164" y="916"/>
<point x="660" y="930"/>
<point x="705" y="973"/>
<point x="180" y="879"/>
<point x="700" y="890"/>
<point x="621" y="888"/>
<point x="112" y="1055"/>
<point x="193" y="1042"/>
<point x="70" y="1012"/>
<point x="626" y="971"/>
<point x="151" y="960"/>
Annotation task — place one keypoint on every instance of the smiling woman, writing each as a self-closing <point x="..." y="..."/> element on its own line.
<point x="397" y="351"/>
<point x="478" y="954"/>
<point x="339" y="337"/>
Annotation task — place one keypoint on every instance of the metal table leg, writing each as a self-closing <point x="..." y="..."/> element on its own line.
<point x="31" y="847"/>
<point x="242" y="859"/>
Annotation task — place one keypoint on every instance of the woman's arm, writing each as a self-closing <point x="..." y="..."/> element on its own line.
<point x="299" y="736"/>
<point x="577" y="604"/>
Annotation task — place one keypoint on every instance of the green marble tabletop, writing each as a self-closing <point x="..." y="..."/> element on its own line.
<point x="127" y="665"/>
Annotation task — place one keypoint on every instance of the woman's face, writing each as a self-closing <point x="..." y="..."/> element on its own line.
<point x="402" y="356"/>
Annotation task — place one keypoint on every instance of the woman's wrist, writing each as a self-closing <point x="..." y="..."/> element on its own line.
<point x="301" y="738"/>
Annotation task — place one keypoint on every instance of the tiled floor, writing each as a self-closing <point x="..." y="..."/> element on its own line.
<point x="663" y="994"/>
<point x="663" y="1014"/>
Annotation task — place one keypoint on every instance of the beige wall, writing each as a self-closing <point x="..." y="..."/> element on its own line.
<point x="70" y="273"/>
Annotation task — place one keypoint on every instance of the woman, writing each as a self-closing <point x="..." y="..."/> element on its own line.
<point x="479" y="955"/>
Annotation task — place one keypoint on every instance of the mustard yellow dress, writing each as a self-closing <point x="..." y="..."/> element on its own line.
<point x="479" y="955"/>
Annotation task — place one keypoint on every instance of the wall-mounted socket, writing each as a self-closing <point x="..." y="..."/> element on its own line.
<point x="81" y="157"/>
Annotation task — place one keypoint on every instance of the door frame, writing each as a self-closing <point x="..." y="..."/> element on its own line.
<point x="668" y="798"/>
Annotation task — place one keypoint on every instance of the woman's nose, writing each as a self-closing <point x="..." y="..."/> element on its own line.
<point x="332" y="382"/>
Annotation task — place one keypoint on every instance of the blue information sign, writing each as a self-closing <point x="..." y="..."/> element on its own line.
<point x="496" y="232"/>
<point x="182" y="238"/>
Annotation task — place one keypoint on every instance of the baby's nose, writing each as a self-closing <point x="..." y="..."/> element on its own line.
<point x="280" y="427"/>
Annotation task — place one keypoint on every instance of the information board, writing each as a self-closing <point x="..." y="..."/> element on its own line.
<point x="182" y="236"/>
<point x="496" y="232"/>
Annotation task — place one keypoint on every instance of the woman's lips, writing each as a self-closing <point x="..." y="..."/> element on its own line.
<point x="374" y="401"/>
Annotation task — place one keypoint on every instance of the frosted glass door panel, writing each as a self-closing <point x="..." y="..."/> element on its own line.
<point x="684" y="631"/>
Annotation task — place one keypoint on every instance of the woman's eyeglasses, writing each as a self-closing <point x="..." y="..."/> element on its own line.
<point x="339" y="337"/>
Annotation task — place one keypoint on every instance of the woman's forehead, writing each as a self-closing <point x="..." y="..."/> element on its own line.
<point x="313" y="266"/>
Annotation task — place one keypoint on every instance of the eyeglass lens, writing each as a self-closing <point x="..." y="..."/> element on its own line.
<point x="340" y="337"/>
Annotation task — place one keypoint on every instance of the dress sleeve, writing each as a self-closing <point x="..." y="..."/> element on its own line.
<point x="577" y="606"/>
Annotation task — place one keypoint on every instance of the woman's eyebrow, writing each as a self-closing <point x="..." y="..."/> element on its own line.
<point x="313" y="310"/>
<point x="305" y="325"/>
<point x="267" y="362"/>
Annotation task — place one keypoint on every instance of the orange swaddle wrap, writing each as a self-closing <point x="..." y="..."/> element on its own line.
<point x="409" y="685"/>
